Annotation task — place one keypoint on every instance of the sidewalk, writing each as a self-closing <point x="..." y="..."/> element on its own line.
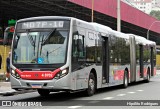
<point x="6" y="90"/>
<point x="5" y="87"/>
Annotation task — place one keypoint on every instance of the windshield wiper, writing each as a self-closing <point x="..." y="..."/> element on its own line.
<point x="49" y="35"/>
<point x="41" y="44"/>
<point x="45" y="40"/>
<point x="30" y="37"/>
<point x="55" y="50"/>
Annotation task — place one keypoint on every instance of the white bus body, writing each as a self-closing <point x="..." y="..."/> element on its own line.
<point x="63" y="53"/>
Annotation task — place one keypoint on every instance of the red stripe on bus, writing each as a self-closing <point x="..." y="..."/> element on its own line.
<point x="145" y="72"/>
<point x="37" y="75"/>
<point x="154" y="71"/>
<point x="118" y="75"/>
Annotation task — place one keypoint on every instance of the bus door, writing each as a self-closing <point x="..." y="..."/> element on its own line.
<point x="105" y="55"/>
<point x="78" y="59"/>
<point x="141" y="60"/>
<point x="152" y="62"/>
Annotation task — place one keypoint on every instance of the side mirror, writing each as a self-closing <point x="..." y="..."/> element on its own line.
<point x="15" y="44"/>
<point x="5" y="41"/>
<point x="15" y="41"/>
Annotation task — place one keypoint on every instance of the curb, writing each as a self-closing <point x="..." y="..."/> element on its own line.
<point x="10" y="93"/>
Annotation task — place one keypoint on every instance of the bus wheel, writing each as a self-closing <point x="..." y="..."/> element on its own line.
<point x="125" y="80"/>
<point x="43" y="92"/>
<point x="91" y="85"/>
<point x="148" y="76"/>
<point x="16" y="89"/>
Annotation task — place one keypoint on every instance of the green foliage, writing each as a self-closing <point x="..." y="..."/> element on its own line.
<point x="146" y="55"/>
<point x="119" y="51"/>
<point x="11" y="22"/>
<point x="155" y="14"/>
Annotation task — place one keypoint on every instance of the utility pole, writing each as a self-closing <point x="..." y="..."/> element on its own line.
<point x="92" y="10"/>
<point x="150" y="28"/>
<point x="118" y="15"/>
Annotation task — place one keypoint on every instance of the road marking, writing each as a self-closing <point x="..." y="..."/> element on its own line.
<point x="74" y="107"/>
<point x="121" y="94"/>
<point x="131" y="92"/>
<point x="108" y="98"/>
<point x="94" y="101"/>
<point x="140" y="90"/>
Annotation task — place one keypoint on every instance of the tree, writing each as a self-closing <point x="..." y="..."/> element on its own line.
<point x="155" y="14"/>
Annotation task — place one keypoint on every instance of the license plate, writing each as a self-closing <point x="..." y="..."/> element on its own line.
<point x="36" y="86"/>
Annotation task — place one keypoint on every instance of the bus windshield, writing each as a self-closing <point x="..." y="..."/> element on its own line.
<point x="40" y="47"/>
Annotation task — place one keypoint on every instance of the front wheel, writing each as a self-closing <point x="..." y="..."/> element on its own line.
<point x="91" y="85"/>
<point x="43" y="92"/>
<point x="16" y="89"/>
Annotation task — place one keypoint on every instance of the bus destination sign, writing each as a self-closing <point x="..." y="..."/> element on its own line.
<point x="42" y="24"/>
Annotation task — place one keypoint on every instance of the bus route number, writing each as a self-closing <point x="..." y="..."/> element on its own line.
<point x="43" y="24"/>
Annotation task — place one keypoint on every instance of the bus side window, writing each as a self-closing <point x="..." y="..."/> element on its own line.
<point x="99" y="49"/>
<point x="74" y="47"/>
<point x="78" y="52"/>
<point x="91" y="48"/>
<point x="78" y="46"/>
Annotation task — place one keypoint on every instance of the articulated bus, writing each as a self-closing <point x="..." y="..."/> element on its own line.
<point x="55" y="53"/>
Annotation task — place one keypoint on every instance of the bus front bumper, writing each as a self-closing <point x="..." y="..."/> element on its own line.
<point x="54" y="84"/>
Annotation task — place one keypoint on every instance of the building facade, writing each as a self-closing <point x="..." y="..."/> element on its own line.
<point x="156" y="5"/>
<point x="144" y="5"/>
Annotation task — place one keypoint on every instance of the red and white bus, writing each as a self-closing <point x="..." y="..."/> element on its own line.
<point x="54" y="53"/>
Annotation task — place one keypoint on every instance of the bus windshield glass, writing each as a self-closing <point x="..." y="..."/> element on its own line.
<point x="40" y="47"/>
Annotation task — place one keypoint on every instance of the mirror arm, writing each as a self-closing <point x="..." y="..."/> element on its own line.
<point x="6" y="36"/>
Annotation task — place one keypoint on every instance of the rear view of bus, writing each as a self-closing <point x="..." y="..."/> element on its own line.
<point x="39" y="54"/>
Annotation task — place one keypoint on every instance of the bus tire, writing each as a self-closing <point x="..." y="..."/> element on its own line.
<point x="43" y="92"/>
<point x="91" y="85"/>
<point x="16" y="89"/>
<point x="125" y="79"/>
<point x="148" y="76"/>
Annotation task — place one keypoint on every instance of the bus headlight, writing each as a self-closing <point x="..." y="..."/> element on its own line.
<point x="15" y="74"/>
<point x="61" y="74"/>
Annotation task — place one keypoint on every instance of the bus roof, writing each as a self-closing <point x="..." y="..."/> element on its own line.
<point x="45" y="17"/>
<point x="119" y="34"/>
<point x="108" y="30"/>
<point x="142" y="40"/>
<point x="98" y="27"/>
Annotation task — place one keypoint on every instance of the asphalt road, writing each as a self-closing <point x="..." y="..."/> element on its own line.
<point x="106" y="98"/>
